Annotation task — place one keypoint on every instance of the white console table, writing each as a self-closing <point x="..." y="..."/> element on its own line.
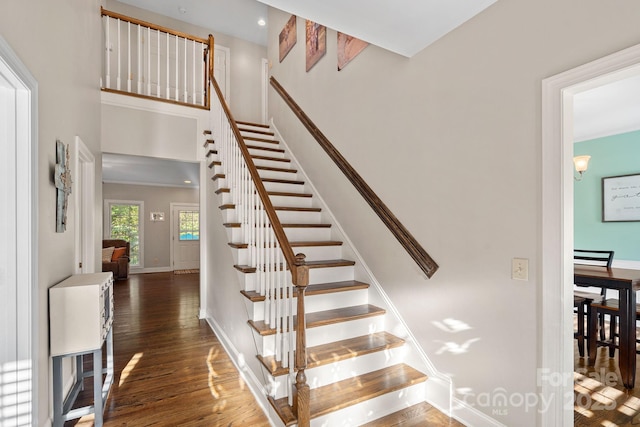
<point x="80" y="323"/>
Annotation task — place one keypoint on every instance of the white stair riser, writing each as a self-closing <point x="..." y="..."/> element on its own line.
<point x="316" y="276"/>
<point x="299" y="217"/>
<point x="299" y="234"/>
<point x="264" y="144"/>
<point x="328" y="333"/>
<point x="372" y="409"/>
<point x="272" y="163"/>
<point x="283" y="187"/>
<point x="253" y="127"/>
<point x="277" y="174"/>
<point x="345" y="369"/>
<point x="247" y="132"/>
<point x="292" y="201"/>
<point x="258" y="151"/>
<point x="313" y="253"/>
<point x="319" y="302"/>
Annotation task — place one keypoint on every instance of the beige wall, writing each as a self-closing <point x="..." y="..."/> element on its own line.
<point x="246" y="60"/>
<point x="450" y="140"/>
<point x="157" y="243"/>
<point x="59" y="44"/>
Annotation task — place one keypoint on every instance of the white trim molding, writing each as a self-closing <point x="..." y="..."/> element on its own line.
<point x="555" y="369"/>
<point x="22" y="138"/>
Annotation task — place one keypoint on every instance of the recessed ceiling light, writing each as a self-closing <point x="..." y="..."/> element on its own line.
<point x="186" y="181"/>
<point x="262" y="22"/>
<point x="182" y="9"/>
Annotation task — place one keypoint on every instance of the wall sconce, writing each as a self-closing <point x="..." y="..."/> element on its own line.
<point x="581" y="164"/>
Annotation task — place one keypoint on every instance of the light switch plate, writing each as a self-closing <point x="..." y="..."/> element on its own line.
<point x="520" y="269"/>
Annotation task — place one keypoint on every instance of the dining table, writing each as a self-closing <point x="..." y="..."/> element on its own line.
<point x="626" y="282"/>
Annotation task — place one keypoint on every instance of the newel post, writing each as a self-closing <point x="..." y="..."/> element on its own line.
<point x="210" y="70"/>
<point x="301" y="389"/>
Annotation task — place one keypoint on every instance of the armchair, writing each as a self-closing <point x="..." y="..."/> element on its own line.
<point x="119" y="265"/>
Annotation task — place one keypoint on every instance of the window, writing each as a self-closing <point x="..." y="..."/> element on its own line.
<point x="189" y="225"/>
<point x="123" y="220"/>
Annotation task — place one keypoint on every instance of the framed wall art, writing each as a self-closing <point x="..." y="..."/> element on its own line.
<point x="316" y="42"/>
<point x="288" y="37"/>
<point x="348" y="48"/>
<point x="62" y="180"/>
<point x="621" y="198"/>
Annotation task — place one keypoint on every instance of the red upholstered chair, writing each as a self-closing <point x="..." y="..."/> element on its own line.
<point x="118" y="264"/>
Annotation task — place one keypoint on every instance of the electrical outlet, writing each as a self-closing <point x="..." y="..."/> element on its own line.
<point x="520" y="269"/>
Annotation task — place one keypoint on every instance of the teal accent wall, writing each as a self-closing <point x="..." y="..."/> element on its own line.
<point x="610" y="156"/>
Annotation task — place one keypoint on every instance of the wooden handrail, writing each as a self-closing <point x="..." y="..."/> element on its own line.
<point x="135" y="21"/>
<point x="296" y="263"/>
<point x="411" y="245"/>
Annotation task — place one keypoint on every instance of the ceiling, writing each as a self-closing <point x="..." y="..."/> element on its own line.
<point x="610" y="109"/>
<point x="124" y="169"/>
<point x="402" y="26"/>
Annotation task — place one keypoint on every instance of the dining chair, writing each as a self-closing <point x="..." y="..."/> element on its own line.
<point x="583" y="300"/>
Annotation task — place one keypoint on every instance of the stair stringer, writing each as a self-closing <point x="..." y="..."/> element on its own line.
<point x="439" y="387"/>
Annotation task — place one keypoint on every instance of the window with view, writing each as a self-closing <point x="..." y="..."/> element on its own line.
<point x="189" y="225"/>
<point x="124" y="221"/>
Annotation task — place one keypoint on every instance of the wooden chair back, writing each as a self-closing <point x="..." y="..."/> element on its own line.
<point x="593" y="257"/>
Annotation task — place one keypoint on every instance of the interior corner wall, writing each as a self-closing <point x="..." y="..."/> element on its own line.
<point x="246" y="60"/>
<point x="60" y="46"/>
<point x="450" y="140"/>
<point x="610" y="156"/>
<point x="157" y="234"/>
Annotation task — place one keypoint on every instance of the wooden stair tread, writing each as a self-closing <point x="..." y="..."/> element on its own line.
<point x="269" y="168"/>
<point x="272" y="159"/>
<point x="237" y="224"/>
<point x="288" y="194"/>
<point x="311" y="264"/>
<point x="259" y="125"/>
<point x="206" y="132"/>
<point x="210" y="152"/>
<point x="282" y="181"/>
<point x="207" y="142"/>
<point x="345" y="393"/>
<point x="327" y="317"/>
<point x="319" y="289"/>
<point x="218" y="176"/>
<point x="418" y="415"/>
<point x="293" y="244"/>
<point x="214" y="163"/>
<point x="277" y="208"/>
<point x="253" y="138"/>
<point x="257" y="147"/>
<point x="338" y="351"/>
<point x="222" y="190"/>
<point x="261" y="132"/>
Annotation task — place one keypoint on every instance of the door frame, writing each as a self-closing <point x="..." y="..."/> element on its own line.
<point x="555" y="372"/>
<point x="84" y="208"/>
<point x="25" y="137"/>
<point x="172" y="207"/>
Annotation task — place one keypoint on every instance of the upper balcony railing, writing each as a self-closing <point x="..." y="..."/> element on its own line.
<point x="150" y="61"/>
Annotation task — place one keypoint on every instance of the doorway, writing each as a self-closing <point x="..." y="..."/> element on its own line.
<point x="555" y="376"/>
<point x="185" y="236"/>
<point x="18" y="281"/>
<point x="84" y="208"/>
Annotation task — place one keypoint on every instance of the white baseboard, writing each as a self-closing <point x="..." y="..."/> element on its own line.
<point x="470" y="416"/>
<point x="256" y="387"/>
<point x="150" y="270"/>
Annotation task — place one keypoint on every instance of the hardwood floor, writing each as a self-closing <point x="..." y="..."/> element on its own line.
<point x="170" y="369"/>
<point x="600" y="398"/>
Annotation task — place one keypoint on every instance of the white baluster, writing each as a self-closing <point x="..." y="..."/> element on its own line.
<point x="139" y="59"/>
<point x="107" y="79"/>
<point x="185" y="70"/>
<point x="129" y="57"/>
<point x="168" y="77"/>
<point x="178" y="75"/>
<point x="118" y="77"/>
<point x="194" y="67"/>
<point x="203" y="75"/>
<point x="278" y="300"/>
<point x="148" y="76"/>
<point x="158" y="74"/>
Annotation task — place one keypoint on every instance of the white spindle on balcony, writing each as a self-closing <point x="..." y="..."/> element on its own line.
<point x="119" y="69"/>
<point x="107" y="51"/>
<point x="153" y="61"/>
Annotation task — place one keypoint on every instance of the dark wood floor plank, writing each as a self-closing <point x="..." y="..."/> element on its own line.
<point x="170" y="369"/>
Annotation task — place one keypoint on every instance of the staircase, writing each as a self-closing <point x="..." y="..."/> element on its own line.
<point x="356" y="369"/>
